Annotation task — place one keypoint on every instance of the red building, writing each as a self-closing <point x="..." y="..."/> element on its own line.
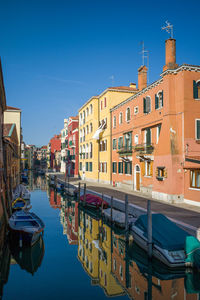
<point x="72" y="147"/>
<point x="55" y="150"/>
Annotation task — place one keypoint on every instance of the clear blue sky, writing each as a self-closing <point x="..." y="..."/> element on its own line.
<point x="56" y="54"/>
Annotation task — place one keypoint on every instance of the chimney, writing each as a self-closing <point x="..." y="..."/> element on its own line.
<point x="142" y="77"/>
<point x="132" y="85"/>
<point x="170" y="54"/>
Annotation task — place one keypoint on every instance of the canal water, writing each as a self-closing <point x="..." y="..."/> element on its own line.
<point x="81" y="257"/>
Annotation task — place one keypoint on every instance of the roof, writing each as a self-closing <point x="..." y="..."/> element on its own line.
<point x="127" y="88"/>
<point x="12" y="108"/>
<point x="74" y="118"/>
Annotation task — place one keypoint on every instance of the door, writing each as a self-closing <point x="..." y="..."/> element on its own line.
<point x="137" y="178"/>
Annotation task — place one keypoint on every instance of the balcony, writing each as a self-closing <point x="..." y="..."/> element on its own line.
<point x="126" y="150"/>
<point x="144" y="148"/>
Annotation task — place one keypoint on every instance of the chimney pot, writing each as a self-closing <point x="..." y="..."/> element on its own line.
<point x="170" y="54"/>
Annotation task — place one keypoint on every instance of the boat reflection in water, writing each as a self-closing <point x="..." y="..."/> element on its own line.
<point x="121" y="267"/>
<point x="29" y="258"/>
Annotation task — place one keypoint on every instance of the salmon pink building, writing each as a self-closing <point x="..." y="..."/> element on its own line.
<point x="55" y="144"/>
<point x="72" y="157"/>
<point x="156" y="134"/>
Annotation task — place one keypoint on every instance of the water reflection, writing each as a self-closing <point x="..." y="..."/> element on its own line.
<point x="28" y="258"/>
<point x="5" y="259"/>
<point x="120" y="267"/>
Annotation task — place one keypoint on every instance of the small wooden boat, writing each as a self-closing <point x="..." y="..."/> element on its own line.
<point x="21" y="203"/>
<point x="93" y="201"/>
<point x="21" y="192"/>
<point x="118" y="217"/>
<point x="26" y="227"/>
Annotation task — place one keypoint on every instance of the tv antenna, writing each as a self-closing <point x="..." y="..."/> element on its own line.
<point x="145" y="55"/>
<point x="168" y="28"/>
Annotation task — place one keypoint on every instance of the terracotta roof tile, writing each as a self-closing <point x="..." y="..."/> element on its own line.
<point x="11" y="107"/>
<point x="123" y="88"/>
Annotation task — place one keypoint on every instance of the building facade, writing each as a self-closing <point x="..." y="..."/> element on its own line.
<point x="156" y="134"/>
<point x="72" y="157"/>
<point x="55" y="144"/>
<point x="64" y="135"/>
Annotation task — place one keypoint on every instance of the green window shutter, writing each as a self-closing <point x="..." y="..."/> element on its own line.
<point x="156" y="101"/>
<point x="195" y="90"/>
<point x="130" y="168"/>
<point x="119" y="167"/>
<point x="198" y="130"/>
<point x="162" y="98"/>
<point x="113" y="166"/>
<point x="148" y="136"/>
<point x="122" y="166"/>
<point x="125" y="165"/>
<point x="144" y="105"/>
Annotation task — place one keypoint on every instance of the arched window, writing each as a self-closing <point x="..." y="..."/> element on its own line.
<point x="120" y="118"/>
<point x="159" y="100"/>
<point x="87" y="112"/>
<point x="83" y="117"/>
<point x="147" y="105"/>
<point x="87" y="129"/>
<point x="81" y="136"/>
<point x="90" y="150"/>
<point x="114" y="121"/>
<point x="128" y="114"/>
<point x="83" y="151"/>
<point x="86" y="150"/>
<point x="91" y="109"/>
<point x="91" y="127"/>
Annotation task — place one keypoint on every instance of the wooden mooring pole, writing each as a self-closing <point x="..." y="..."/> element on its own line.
<point x="79" y="191"/>
<point x="126" y="216"/>
<point x="111" y="209"/>
<point x="4" y="209"/>
<point x="84" y="195"/>
<point x="149" y="228"/>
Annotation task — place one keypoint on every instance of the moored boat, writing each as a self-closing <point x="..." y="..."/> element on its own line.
<point x="93" y="201"/>
<point x="168" y="239"/>
<point x="21" y="192"/>
<point x="26" y="227"/>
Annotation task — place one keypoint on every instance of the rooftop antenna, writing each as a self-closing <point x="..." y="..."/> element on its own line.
<point x="145" y="55"/>
<point x="168" y="28"/>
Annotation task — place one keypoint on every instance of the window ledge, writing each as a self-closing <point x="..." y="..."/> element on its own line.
<point x="147" y="176"/>
<point x="198" y="99"/>
<point x="159" y="178"/>
<point x="194" y="189"/>
<point x="198" y="141"/>
<point x="128" y="174"/>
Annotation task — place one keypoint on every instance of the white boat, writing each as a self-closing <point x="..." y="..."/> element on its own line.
<point x="168" y="239"/>
<point x="21" y="192"/>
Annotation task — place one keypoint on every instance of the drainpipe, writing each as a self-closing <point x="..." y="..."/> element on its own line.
<point x="98" y="140"/>
<point x="110" y="147"/>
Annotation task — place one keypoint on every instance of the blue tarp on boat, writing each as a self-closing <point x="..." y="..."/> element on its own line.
<point x="165" y="233"/>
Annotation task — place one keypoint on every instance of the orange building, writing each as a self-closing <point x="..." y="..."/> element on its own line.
<point x="156" y="134"/>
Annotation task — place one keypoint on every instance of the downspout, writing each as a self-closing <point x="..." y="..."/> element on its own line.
<point x="98" y="140"/>
<point x="110" y="147"/>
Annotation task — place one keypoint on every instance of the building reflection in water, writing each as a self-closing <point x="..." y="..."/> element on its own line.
<point x="120" y="267"/>
<point x="36" y="182"/>
<point x="5" y="259"/>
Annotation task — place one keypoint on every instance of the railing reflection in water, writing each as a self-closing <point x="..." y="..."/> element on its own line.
<point x="121" y="267"/>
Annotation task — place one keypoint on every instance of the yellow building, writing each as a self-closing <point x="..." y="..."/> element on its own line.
<point x="88" y="147"/>
<point x="95" y="133"/>
<point x="12" y="115"/>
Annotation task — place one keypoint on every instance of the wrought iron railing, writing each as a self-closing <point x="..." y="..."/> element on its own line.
<point x="144" y="148"/>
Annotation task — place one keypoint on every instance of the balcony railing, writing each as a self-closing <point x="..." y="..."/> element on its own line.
<point x="144" y="148"/>
<point x="125" y="150"/>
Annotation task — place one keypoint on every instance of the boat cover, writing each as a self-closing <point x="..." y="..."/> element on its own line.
<point x="165" y="233"/>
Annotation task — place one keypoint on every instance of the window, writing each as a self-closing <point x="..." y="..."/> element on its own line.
<point x="147" y="105"/>
<point x="159" y="100"/>
<point x="86" y="150"/>
<point x="103" y="123"/>
<point x="196" y="89"/>
<point x="120" y="118"/>
<point x="148" y="171"/>
<point x="128" y="168"/>
<point x="83" y="117"/>
<point x="91" y="127"/>
<point x="86" y="166"/>
<point x="114" y="264"/>
<point x="128" y="140"/>
<point x="83" y="151"/>
<point x="103" y="145"/>
<point x="90" y="150"/>
<point x="114" y="166"/>
<point x="87" y="130"/>
<point x="120" y="142"/>
<point x="128" y="114"/>
<point x="195" y="179"/>
<point x="90" y="166"/>
<point x="197" y="129"/>
<point x="91" y="109"/>
<point x="80" y="166"/>
<point x="158" y="133"/>
<point x="114" y="144"/>
<point x="147" y="136"/>
<point x="101" y="105"/>
<point x="114" y="121"/>
<point x="161" y="173"/>
<point x="136" y="139"/>
<point x="103" y="167"/>
<point x="87" y="112"/>
<point x="105" y="102"/>
<point x="83" y="134"/>
<point x="121" y="271"/>
<point x="136" y="110"/>
<point x="120" y="167"/>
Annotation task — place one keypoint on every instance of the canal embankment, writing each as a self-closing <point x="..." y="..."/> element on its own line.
<point x="186" y="216"/>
